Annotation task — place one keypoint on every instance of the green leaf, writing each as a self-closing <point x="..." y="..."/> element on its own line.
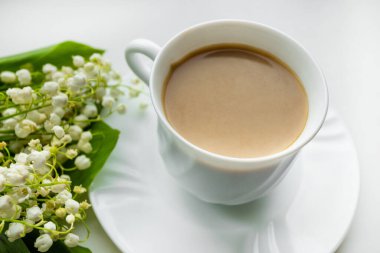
<point x="59" y="55"/>
<point x="12" y="247"/>
<point x="103" y="142"/>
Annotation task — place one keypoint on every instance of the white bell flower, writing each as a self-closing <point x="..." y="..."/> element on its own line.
<point x="59" y="111"/>
<point x="81" y="120"/>
<point x="43" y="243"/>
<point x="7" y="77"/>
<point x="48" y="125"/>
<point x="39" y="159"/>
<point x="62" y="82"/>
<point x="24" y="128"/>
<point x="67" y="70"/>
<point x="43" y="191"/>
<point x="108" y="102"/>
<point x="34" y="213"/>
<point x="90" y="110"/>
<point x="2" y="182"/>
<point x="96" y="57"/>
<point x="78" y="61"/>
<point x="15" y="231"/>
<point x="21" y="158"/>
<point x="35" y="143"/>
<point x="28" y="229"/>
<point x="60" y="100"/>
<point x="100" y="92"/>
<point x="89" y="67"/>
<point x="66" y="139"/>
<point x="10" y="124"/>
<point x="71" y="240"/>
<point x="79" y="80"/>
<point x="55" y="119"/>
<point x="75" y="132"/>
<point x="57" y="188"/>
<point x="50" y="88"/>
<point x="17" y="174"/>
<point x="58" y="76"/>
<point x="21" y="96"/>
<point x="21" y="194"/>
<point x="36" y="117"/>
<point x="49" y="68"/>
<point x="82" y="162"/>
<point x="72" y="86"/>
<point x="86" y="136"/>
<point x="71" y="206"/>
<point x="58" y="131"/>
<point x="65" y="177"/>
<point x="9" y="111"/>
<point x="50" y="225"/>
<point x="24" y="77"/>
<point x="7" y="208"/>
<point x="84" y="146"/>
<point x="63" y="196"/>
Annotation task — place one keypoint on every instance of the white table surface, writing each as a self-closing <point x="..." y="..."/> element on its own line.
<point x="343" y="35"/>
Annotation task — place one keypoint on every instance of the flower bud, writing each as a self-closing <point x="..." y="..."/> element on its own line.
<point x="70" y="219"/>
<point x="60" y="212"/>
<point x="8" y="77"/>
<point x="71" y="153"/>
<point x="79" y="189"/>
<point x="121" y="108"/>
<point x="85" y="205"/>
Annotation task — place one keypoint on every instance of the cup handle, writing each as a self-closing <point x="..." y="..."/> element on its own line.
<point x="144" y="47"/>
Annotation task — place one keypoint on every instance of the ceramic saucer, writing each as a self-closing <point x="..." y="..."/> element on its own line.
<point x="143" y="210"/>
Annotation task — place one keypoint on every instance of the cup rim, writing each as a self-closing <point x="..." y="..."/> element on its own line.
<point x="293" y="148"/>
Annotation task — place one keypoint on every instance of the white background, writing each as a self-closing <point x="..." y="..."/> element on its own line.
<point x="344" y="36"/>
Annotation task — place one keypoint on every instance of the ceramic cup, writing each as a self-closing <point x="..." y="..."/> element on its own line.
<point x="211" y="177"/>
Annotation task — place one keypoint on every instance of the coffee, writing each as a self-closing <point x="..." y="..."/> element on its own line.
<point x="235" y="101"/>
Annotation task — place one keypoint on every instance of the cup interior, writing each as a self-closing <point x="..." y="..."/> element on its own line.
<point x="254" y="35"/>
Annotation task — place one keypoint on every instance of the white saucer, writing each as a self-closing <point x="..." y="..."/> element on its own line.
<point x="144" y="211"/>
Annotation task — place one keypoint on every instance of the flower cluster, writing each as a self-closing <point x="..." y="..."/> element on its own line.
<point x="43" y="128"/>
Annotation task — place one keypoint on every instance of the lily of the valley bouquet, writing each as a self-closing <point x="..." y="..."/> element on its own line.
<point x="53" y="142"/>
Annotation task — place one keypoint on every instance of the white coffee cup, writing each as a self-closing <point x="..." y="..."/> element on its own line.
<point x="211" y="177"/>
